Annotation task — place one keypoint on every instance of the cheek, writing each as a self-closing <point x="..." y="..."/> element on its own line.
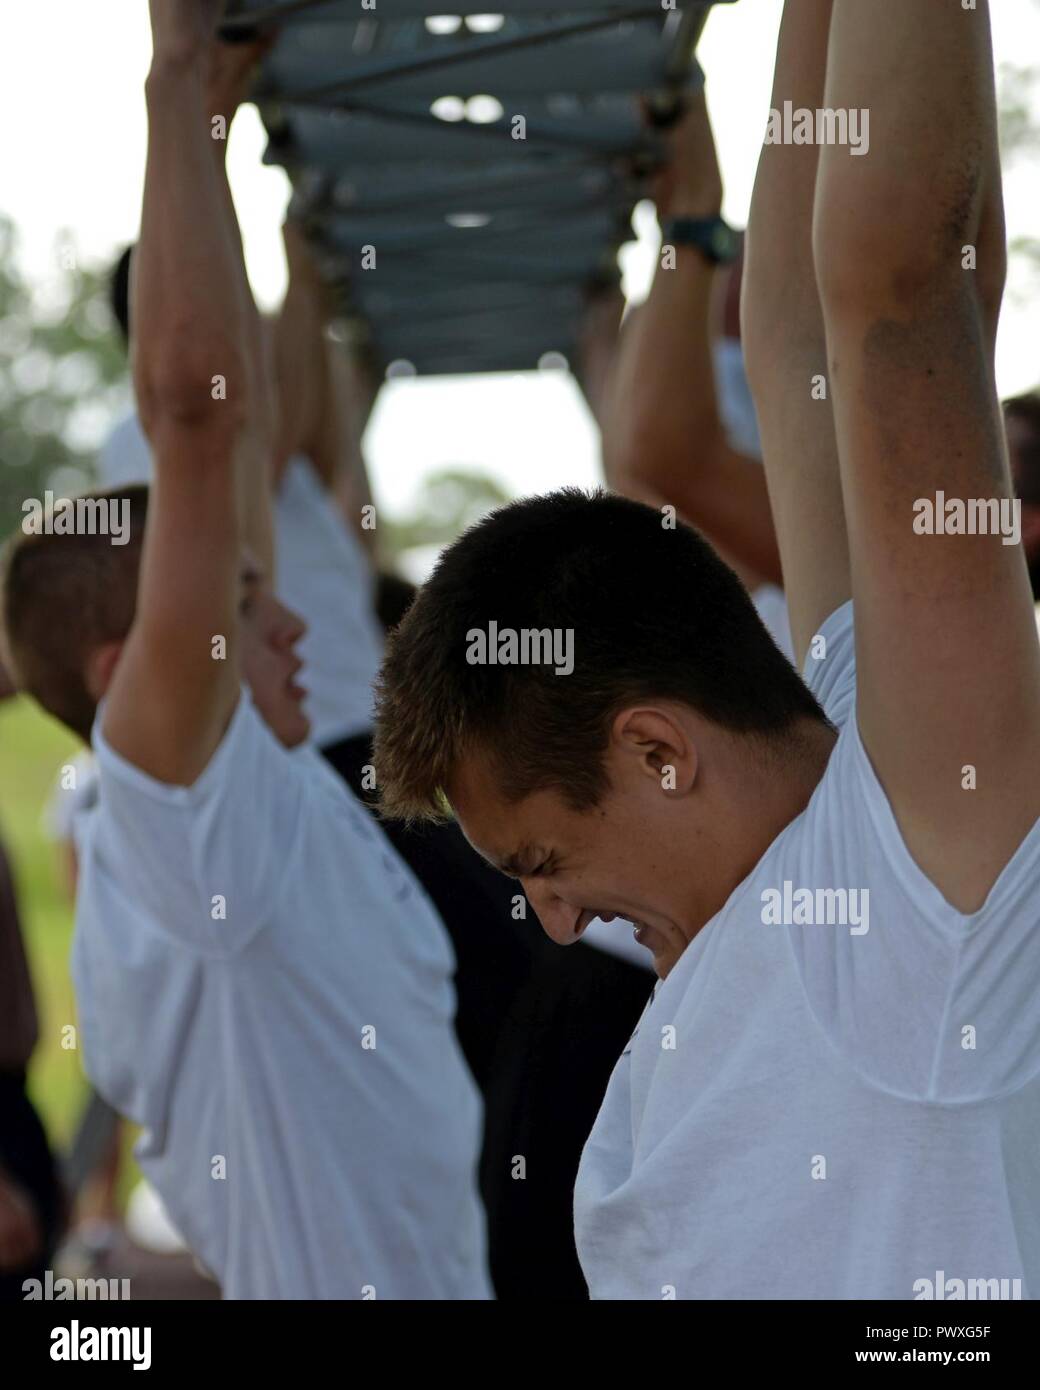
<point x="252" y="652"/>
<point x="261" y="672"/>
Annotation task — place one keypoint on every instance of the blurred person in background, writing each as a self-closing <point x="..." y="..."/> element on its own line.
<point x="677" y="420"/>
<point x="520" y="1004"/>
<point x="32" y="1208"/>
<point x="1022" y="424"/>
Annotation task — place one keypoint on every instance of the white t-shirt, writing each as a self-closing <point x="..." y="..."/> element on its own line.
<point x="263" y="986"/>
<point x="125" y="456"/>
<point x="771" y="607"/>
<point x="70" y="795"/>
<point x="813" y="1111"/>
<point x="617" y="940"/>
<point x="321" y="573"/>
<point x="736" y="405"/>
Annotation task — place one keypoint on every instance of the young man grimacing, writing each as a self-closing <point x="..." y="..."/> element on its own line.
<point x="261" y="984"/>
<point x="839" y="1097"/>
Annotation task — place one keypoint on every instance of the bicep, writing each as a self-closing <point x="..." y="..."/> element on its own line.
<point x="177" y="680"/>
<point x="948" y="664"/>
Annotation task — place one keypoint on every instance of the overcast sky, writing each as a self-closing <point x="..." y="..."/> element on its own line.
<point x="72" y="113"/>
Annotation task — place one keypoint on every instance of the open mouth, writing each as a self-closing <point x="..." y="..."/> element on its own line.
<point x="590" y="914"/>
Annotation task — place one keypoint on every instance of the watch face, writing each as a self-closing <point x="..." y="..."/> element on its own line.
<point x="723" y="242"/>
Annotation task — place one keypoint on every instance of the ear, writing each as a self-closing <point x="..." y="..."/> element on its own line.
<point x="661" y="745"/>
<point x="101" y="665"/>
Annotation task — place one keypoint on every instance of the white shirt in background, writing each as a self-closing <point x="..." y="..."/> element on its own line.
<point x="771" y="606"/>
<point x="125" y="456"/>
<point x="322" y="574"/>
<point x="809" y="1112"/>
<point x="263" y="987"/>
<point x="736" y="405"/>
<point x="617" y="940"/>
<point x="740" y="422"/>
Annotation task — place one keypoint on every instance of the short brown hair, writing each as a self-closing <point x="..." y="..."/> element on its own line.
<point x="655" y="615"/>
<point x="63" y="597"/>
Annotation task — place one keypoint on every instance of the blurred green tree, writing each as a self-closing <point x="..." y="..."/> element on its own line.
<point x="452" y="499"/>
<point x="63" y="376"/>
<point x="1018" y="90"/>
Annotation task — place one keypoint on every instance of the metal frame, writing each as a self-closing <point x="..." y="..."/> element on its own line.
<point x="550" y="233"/>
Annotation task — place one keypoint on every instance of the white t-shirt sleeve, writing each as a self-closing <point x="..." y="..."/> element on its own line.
<point x="830" y="665"/>
<point x="208" y="861"/>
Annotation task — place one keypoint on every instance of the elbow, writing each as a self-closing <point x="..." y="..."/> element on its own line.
<point x="182" y="386"/>
<point x="671" y="466"/>
<point x="879" y="251"/>
<point x="640" y="458"/>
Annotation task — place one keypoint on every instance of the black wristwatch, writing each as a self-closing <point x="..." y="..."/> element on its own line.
<point x="713" y="237"/>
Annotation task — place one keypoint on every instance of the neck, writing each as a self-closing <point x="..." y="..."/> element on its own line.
<point x="758" y="797"/>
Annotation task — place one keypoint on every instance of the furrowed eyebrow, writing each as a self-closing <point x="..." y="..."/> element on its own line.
<point x="515" y="865"/>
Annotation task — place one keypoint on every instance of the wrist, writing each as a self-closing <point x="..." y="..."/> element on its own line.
<point x="172" y="68"/>
<point x="694" y="203"/>
<point x="213" y="110"/>
<point x="712" y="238"/>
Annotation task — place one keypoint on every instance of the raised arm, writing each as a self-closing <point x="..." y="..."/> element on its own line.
<point x="663" y="440"/>
<point x="324" y="396"/>
<point x="301" y="360"/>
<point x="597" y="349"/>
<point x="910" y="256"/>
<point x="785" y="345"/>
<point x="175" y="685"/>
<point x="232" y="71"/>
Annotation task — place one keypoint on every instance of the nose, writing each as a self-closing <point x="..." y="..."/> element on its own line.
<point x="290" y="627"/>
<point x="557" y="917"/>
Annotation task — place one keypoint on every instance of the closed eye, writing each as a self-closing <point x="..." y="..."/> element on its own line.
<point x="518" y="872"/>
<point x="546" y="867"/>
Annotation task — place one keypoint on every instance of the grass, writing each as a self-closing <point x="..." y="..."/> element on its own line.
<point x="32" y="749"/>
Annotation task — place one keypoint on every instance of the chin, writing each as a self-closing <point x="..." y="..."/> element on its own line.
<point x="663" y="965"/>
<point x="292" y="730"/>
<point x="664" y="956"/>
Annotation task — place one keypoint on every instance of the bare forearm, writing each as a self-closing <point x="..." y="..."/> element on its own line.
<point x="663" y="434"/>
<point x="188" y="330"/>
<point x="663" y="440"/>
<point x="598" y="352"/>
<point x="785" y="342"/>
<point x="780" y="296"/>
<point x="663" y="408"/>
<point x="353" y="397"/>
<point x="301" y="362"/>
<point x="258" y="444"/>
